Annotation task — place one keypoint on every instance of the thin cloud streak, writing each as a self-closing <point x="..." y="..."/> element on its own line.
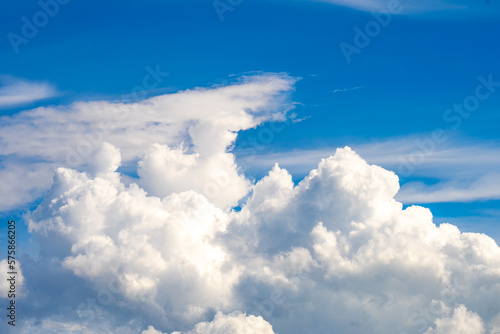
<point x="466" y="172"/>
<point x="485" y="188"/>
<point x="419" y="7"/>
<point x="388" y="154"/>
<point x="335" y="91"/>
<point x="16" y="92"/>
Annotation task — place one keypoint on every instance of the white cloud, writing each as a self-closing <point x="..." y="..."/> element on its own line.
<point x="164" y="171"/>
<point x="161" y="252"/>
<point x="151" y="330"/>
<point x="57" y="326"/>
<point x="347" y="89"/>
<point x="335" y="253"/>
<point x="316" y="257"/>
<point x="412" y="7"/>
<point x="467" y="172"/>
<point x="365" y="257"/>
<point x="457" y="156"/>
<point x="232" y="323"/>
<point x="462" y="322"/>
<point x="192" y="116"/>
<point x="154" y="248"/>
<point x="193" y="127"/>
<point x="16" y="92"/>
<point x="23" y="183"/>
<point x="484" y="188"/>
<point x="235" y="322"/>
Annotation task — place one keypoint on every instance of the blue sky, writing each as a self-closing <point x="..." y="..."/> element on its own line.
<point x="417" y="67"/>
<point x="382" y="101"/>
<point x="409" y="74"/>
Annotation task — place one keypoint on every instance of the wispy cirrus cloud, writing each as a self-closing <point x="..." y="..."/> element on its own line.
<point x="466" y="172"/>
<point x="343" y="90"/>
<point x="16" y="92"/>
<point x="419" y="7"/>
<point x="483" y="188"/>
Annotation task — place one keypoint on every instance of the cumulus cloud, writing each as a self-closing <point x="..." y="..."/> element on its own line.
<point x="335" y="252"/>
<point x="183" y="134"/>
<point x="151" y="330"/>
<point x="158" y="254"/>
<point x="363" y="251"/>
<point x="462" y="322"/>
<point x="232" y="323"/>
<point x="164" y="171"/>
<point x="235" y="322"/>
<point x="161" y="252"/>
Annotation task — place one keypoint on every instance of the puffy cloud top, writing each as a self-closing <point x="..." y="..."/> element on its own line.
<point x="163" y="254"/>
<point x="183" y="134"/>
<point x="324" y="254"/>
